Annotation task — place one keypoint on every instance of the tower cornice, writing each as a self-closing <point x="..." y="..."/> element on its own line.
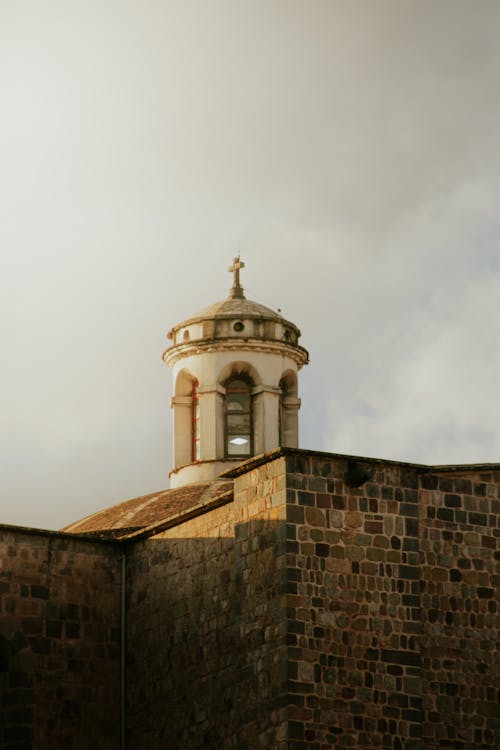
<point x="173" y="354"/>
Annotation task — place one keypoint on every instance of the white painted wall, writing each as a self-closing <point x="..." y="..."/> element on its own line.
<point x="211" y="368"/>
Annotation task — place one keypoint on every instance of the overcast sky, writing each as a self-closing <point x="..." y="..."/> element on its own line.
<point x="351" y="150"/>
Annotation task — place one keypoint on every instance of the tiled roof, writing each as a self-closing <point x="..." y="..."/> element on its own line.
<point x="149" y="510"/>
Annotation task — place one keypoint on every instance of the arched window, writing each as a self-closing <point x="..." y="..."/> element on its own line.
<point x="238" y="418"/>
<point x="186" y="406"/>
<point x="195" y="422"/>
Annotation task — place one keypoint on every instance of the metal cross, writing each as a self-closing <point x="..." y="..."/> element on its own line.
<point x="237" y="290"/>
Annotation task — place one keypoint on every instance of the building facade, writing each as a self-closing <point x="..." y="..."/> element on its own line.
<point x="235" y="368"/>
<point x="274" y="597"/>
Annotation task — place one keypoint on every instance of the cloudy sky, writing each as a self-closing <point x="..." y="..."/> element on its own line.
<point x="350" y="150"/>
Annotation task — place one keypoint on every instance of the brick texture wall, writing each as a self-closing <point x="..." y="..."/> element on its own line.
<point x="354" y="610"/>
<point x="180" y="634"/>
<point x="334" y="603"/>
<point x="59" y="642"/>
<point x="460" y="609"/>
<point x="206" y="633"/>
<point x="337" y="603"/>
<point x="393" y="625"/>
<point x="260" y="564"/>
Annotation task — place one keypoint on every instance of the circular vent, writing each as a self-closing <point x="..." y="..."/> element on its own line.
<point x="238" y="326"/>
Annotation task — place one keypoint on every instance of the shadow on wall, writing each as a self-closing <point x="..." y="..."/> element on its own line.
<point x="324" y="629"/>
<point x="59" y="642"/>
<point x="318" y="630"/>
<point x="206" y="633"/>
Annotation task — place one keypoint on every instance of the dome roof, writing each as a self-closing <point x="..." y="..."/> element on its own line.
<point x="235" y="307"/>
<point x="235" y="323"/>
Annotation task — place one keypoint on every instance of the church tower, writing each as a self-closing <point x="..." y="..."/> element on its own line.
<point x="235" y="367"/>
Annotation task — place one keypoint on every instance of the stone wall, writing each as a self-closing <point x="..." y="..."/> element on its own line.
<point x="206" y="633"/>
<point x="460" y="514"/>
<point x="334" y="603"/>
<point x="180" y="634"/>
<point x="260" y="565"/>
<point x="353" y="610"/>
<point x="59" y="642"/>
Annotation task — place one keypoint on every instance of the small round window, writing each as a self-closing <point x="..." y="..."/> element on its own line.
<point x="238" y="326"/>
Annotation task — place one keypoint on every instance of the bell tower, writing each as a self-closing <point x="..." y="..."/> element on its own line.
<point x="235" y="368"/>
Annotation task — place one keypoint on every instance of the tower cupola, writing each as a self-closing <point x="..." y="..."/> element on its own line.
<point x="235" y="368"/>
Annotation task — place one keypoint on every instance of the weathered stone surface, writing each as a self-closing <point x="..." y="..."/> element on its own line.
<point x="59" y="642"/>
<point x="216" y="658"/>
<point x="460" y="668"/>
<point x="293" y="615"/>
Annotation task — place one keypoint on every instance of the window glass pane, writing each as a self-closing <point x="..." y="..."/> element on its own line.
<point x="238" y="445"/>
<point x="238" y="418"/>
<point x="237" y="385"/>
<point x="238" y="423"/>
<point x="238" y="402"/>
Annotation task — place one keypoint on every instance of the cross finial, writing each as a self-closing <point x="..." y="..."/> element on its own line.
<point x="237" y="289"/>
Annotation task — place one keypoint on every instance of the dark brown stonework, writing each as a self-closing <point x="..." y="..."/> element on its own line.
<point x="328" y="602"/>
<point x="354" y="621"/>
<point x="460" y="605"/>
<point x="59" y="642"/>
<point x="216" y="655"/>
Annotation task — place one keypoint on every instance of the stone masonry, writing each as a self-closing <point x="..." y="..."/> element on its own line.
<point x="392" y="617"/>
<point x="206" y="633"/>
<point x="326" y="607"/>
<point x="328" y="602"/>
<point x="459" y="515"/>
<point x="60" y="642"/>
